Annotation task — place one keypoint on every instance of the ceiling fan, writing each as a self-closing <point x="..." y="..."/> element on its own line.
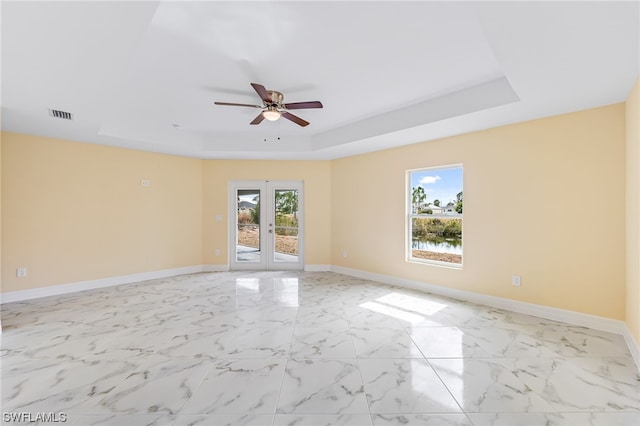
<point x="273" y="108"/>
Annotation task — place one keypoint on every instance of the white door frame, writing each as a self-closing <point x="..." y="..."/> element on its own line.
<point x="267" y="259"/>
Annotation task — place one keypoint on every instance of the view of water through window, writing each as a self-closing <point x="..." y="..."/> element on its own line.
<point x="435" y="214"/>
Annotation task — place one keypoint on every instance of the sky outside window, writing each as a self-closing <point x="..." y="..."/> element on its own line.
<point x="439" y="184"/>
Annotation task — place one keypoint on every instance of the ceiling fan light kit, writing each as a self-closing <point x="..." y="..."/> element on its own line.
<point x="273" y="107"/>
<point x="271" y="114"/>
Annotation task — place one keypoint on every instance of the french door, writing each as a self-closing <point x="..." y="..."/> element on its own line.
<point x="266" y="224"/>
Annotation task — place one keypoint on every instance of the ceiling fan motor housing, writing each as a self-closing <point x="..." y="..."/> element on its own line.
<point x="276" y="98"/>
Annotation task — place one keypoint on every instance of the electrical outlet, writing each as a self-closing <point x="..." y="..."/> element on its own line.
<point x="216" y="252"/>
<point x="344" y="253"/>
<point x="515" y="280"/>
<point x="21" y="272"/>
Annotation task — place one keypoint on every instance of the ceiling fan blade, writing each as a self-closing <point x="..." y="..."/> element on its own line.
<point x="234" y="104"/>
<point x="303" y="105"/>
<point x="262" y="92"/>
<point x="258" y="119"/>
<point x="295" y="119"/>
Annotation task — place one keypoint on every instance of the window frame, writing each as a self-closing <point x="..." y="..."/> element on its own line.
<point x="410" y="215"/>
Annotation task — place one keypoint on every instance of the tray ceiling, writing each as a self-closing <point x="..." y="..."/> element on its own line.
<point x="145" y="75"/>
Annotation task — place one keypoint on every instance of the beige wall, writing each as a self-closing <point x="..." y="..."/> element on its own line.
<point x="73" y="211"/>
<point x="633" y="210"/>
<point x="316" y="177"/>
<point x="543" y="199"/>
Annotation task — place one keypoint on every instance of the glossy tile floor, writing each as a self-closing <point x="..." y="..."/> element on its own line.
<point x="299" y="348"/>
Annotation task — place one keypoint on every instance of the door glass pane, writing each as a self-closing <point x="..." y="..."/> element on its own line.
<point x="286" y="225"/>
<point x="248" y="225"/>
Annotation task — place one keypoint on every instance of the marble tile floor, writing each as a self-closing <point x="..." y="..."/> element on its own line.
<point x="303" y="348"/>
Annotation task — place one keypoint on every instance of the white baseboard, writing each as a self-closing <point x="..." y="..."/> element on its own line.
<point x="317" y="268"/>
<point x="54" y="290"/>
<point x="215" y="268"/>
<point x="556" y="314"/>
<point x="634" y="347"/>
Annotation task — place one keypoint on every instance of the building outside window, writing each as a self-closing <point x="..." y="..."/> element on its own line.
<point x="435" y="215"/>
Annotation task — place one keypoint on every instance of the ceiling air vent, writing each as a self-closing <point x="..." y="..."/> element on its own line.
<point x="56" y="113"/>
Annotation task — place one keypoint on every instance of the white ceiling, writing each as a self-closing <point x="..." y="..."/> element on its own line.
<point x="388" y="73"/>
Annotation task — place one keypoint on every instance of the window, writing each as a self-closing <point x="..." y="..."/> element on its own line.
<point x="435" y="199"/>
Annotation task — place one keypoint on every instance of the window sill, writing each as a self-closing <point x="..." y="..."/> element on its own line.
<point x="457" y="266"/>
